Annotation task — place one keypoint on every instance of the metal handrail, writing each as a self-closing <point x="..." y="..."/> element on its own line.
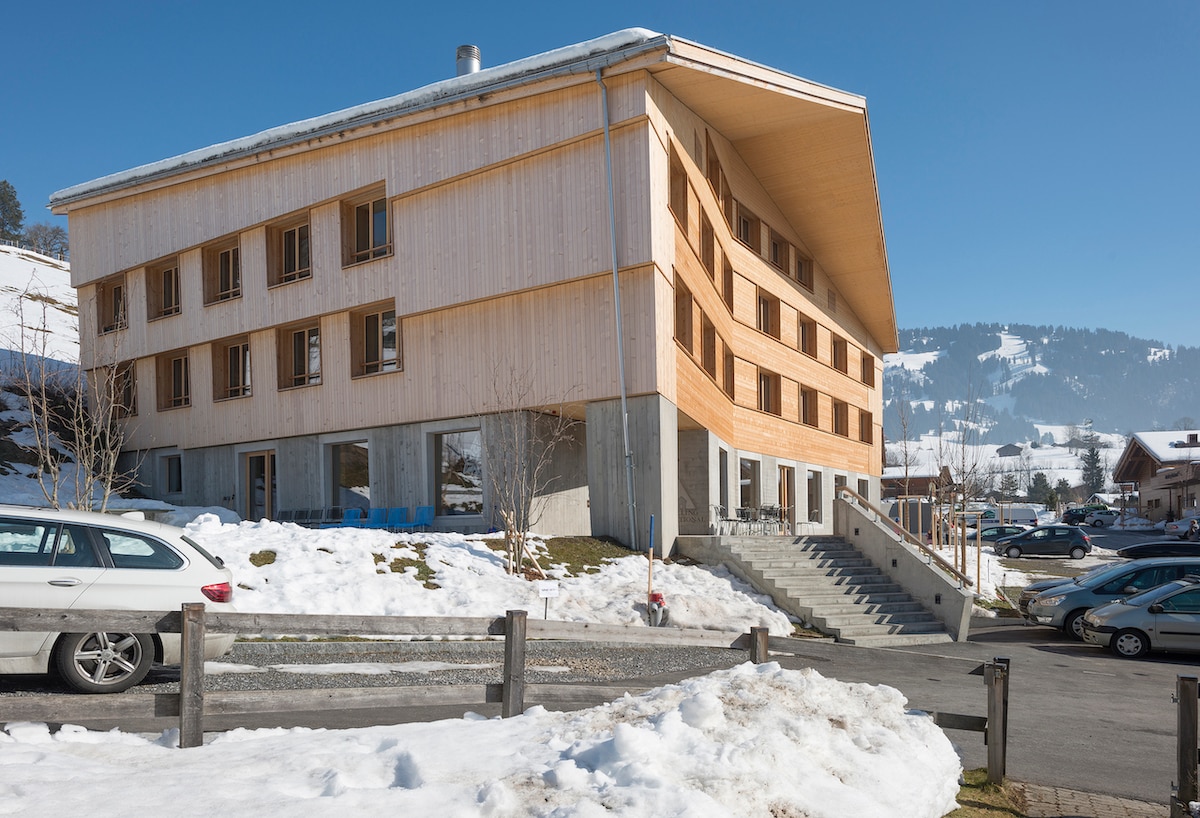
<point x="905" y="535"/>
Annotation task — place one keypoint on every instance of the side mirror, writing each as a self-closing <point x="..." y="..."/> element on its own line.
<point x="1130" y="590"/>
<point x="1156" y="608"/>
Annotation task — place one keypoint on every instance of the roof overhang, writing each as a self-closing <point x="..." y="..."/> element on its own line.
<point x="809" y="145"/>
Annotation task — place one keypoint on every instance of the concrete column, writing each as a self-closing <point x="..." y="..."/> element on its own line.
<point x="654" y="440"/>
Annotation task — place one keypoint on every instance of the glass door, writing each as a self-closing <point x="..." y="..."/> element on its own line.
<point x="261" y="498"/>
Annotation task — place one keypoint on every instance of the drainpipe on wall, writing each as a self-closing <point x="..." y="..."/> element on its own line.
<point x="612" y="237"/>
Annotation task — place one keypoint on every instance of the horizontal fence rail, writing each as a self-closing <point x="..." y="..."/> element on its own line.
<point x="193" y="703"/>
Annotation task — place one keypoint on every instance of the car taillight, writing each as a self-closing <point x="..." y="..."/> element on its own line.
<point x="220" y="592"/>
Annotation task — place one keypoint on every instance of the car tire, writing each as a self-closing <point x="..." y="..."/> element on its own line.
<point x="1012" y="552"/>
<point x="1073" y="624"/>
<point x="103" y="662"/>
<point x="1077" y="553"/>
<point x="1097" y="524"/>
<point x="1130" y="644"/>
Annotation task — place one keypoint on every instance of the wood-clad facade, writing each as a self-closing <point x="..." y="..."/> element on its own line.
<point x="326" y="307"/>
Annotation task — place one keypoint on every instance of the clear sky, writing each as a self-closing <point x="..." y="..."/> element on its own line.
<point x="1037" y="161"/>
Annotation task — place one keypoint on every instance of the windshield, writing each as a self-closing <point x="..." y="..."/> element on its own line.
<point x="1101" y="574"/>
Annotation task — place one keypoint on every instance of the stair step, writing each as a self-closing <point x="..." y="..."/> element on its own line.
<point x="817" y="572"/>
<point x="872" y="630"/>
<point x="837" y="622"/>
<point x="876" y="608"/>
<point x="810" y="564"/>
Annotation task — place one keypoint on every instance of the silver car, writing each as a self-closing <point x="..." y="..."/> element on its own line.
<point x="56" y="559"/>
<point x="1163" y="618"/>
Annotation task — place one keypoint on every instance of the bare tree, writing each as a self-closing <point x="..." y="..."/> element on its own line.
<point x="73" y="415"/>
<point x="522" y="433"/>
<point x="47" y="239"/>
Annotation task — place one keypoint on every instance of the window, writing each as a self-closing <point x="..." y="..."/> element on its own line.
<point x="683" y="315"/>
<point x="679" y="190"/>
<point x="727" y="373"/>
<point x="290" y="256"/>
<point x="716" y="178"/>
<point x="351" y="474"/>
<point x="299" y="356"/>
<point x="708" y="247"/>
<point x="172" y="466"/>
<point x="222" y="266"/>
<point x="866" y="427"/>
<point x="804" y="273"/>
<point x="841" y="418"/>
<point x="868" y="369"/>
<point x="162" y="289"/>
<point x="748" y="474"/>
<point x="727" y="285"/>
<point x="864" y="489"/>
<point x="460" y="472"/>
<point x="110" y="305"/>
<point x="131" y="550"/>
<point x="768" y="392"/>
<point x="124" y="390"/>
<point x="375" y="341"/>
<point x="808" y="336"/>
<point x="779" y="252"/>
<point x="365" y="226"/>
<point x="174" y="384"/>
<point x="708" y="346"/>
<point x="808" y="406"/>
<point x="749" y="229"/>
<point x="840" y="355"/>
<point x="231" y="369"/>
<point x="768" y="313"/>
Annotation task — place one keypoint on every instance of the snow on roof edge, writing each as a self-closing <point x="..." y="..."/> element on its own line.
<point x="433" y="93"/>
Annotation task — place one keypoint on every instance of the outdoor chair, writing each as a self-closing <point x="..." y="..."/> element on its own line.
<point x="396" y="518"/>
<point x="352" y="517"/>
<point x="422" y="520"/>
<point x="376" y="518"/>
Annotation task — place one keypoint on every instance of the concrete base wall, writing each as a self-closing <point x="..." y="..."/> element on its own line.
<point x="653" y="437"/>
<point x="934" y="589"/>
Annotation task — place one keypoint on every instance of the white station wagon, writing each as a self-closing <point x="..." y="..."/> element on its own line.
<point x="57" y="559"/>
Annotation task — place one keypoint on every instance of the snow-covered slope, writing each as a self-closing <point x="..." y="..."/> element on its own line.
<point x="37" y="306"/>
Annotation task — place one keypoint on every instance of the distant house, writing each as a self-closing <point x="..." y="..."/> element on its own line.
<point x="407" y="273"/>
<point x="1164" y="469"/>
<point x="1009" y="450"/>
<point x="917" y="482"/>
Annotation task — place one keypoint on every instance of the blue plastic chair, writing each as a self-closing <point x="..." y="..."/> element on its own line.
<point x="376" y="518"/>
<point x="396" y="518"/>
<point x="422" y="519"/>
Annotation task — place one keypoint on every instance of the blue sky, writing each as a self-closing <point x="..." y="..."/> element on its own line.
<point x="1037" y="161"/>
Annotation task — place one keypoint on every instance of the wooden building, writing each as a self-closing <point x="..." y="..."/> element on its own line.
<point x="1162" y="470"/>
<point x="334" y="311"/>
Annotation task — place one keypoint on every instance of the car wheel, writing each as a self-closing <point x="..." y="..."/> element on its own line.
<point x="1097" y="524"/>
<point x="103" y="662"/>
<point x="1012" y="552"/>
<point x="1130" y="644"/>
<point x="1077" y="553"/>
<point x="1073" y="624"/>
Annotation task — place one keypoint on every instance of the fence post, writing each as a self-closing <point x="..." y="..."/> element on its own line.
<point x="758" y="645"/>
<point x="191" y="675"/>
<point x="1187" y="755"/>
<point x="513" y="703"/>
<point x="995" y="674"/>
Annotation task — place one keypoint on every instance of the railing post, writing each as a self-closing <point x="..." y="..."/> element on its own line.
<point x="758" y="645"/>
<point x="513" y="703"/>
<point x="191" y="675"/>
<point x="1187" y="755"/>
<point x="995" y="674"/>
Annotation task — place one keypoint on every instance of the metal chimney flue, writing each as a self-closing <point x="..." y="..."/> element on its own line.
<point x="467" y="59"/>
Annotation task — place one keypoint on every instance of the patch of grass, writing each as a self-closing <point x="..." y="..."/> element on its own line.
<point x="580" y="555"/>
<point x="1045" y="567"/>
<point x="399" y="565"/>
<point x="260" y="558"/>
<point x="979" y="799"/>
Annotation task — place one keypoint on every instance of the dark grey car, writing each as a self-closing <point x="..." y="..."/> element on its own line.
<point x="1046" y="541"/>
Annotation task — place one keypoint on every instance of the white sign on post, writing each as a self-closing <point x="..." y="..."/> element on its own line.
<point x="548" y="588"/>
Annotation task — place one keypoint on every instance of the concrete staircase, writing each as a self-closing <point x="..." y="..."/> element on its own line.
<point x="831" y="586"/>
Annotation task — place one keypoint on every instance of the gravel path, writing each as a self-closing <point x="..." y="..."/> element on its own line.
<point x="421" y="663"/>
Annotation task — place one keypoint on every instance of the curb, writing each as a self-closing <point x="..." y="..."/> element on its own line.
<point x="1057" y="802"/>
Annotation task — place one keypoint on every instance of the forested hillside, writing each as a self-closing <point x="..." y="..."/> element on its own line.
<point x="1007" y="377"/>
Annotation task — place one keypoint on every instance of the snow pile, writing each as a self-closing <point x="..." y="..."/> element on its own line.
<point x="313" y="568"/>
<point x="748" y="741"/>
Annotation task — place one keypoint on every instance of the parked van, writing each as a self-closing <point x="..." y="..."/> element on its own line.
<point x="1022" y="515"/>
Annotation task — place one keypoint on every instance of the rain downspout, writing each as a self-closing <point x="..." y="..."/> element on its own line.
<point x="612" y="237"/>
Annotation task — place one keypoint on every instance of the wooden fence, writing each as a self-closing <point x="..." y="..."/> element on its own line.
<point x="192" y="702"/>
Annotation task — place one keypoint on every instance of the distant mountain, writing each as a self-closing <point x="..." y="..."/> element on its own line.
<point x="1005" y="378"/>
